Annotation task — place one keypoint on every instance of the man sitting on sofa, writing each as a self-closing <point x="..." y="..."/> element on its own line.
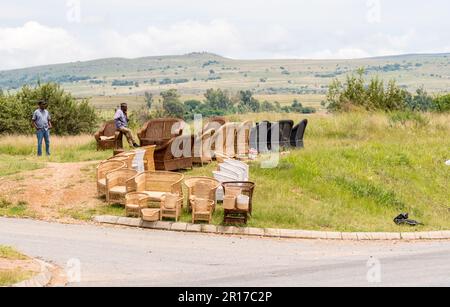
<point x="121" y="121"/>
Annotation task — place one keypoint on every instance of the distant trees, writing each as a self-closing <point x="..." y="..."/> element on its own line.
<point x="148" y="99"/>
<point x="172" y="104"/>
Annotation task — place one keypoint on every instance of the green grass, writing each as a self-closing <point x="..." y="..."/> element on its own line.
<point x="9" y="253"/>
<point x="10" y="165"/>
<point x="18" y="210"/>
<point x="11" y="277"/>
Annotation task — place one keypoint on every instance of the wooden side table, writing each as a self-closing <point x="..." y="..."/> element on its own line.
<point x="235" y="216"/>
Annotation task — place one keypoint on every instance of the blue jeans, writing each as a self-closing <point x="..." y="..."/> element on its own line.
<point x="43" y="134"/>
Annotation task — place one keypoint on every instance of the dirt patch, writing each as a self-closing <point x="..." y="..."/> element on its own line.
<point x="54" y="189"/>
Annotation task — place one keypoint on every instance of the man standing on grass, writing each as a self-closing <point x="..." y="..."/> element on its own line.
<point x="121" y="120"/>
<point x="42" y="124"/>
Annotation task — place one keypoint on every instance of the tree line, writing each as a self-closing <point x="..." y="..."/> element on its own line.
<point x="374" y="95"/>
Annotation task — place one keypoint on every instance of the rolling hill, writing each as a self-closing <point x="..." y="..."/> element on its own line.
<point x="193" y="73"/>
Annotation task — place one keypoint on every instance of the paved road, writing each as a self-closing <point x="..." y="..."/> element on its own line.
<point x="132" y="257"/>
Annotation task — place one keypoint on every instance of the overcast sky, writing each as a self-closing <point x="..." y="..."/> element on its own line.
<point x="56" y="31"/>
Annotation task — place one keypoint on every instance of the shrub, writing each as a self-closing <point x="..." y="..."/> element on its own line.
<point x="69" y="116"/>
<point x="442" y="103"/>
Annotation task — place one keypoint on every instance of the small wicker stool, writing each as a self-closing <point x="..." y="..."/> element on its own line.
<point x="151" y="215"/>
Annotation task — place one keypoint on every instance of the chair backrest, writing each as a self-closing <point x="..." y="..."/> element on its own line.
<point x="214" y="123"/>
<point x="108" y="166"/>
<point x="109" y="129"/>
<point x="298" y="133"/>
<point x="160" y="182"/>
<point x="121" y="176"/>
<point x="164" y="128"/>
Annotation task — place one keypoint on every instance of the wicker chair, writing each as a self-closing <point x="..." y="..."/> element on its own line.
<point x="202" y="210"/>
<point x="149" y="158"/>
<point x="214" y="123"/>
<point x="161" y="131"/>
<point x="201" y="148"/>
<point x="108" y="137"/>
<point x="116" y="185"/>
<point x="246" y="188"/>
<point x="171" y="206"/>
<point x="243" y="139"/>
<point x="103" y="169"/>
<point x="201" y="187"/>
<point x="165" y="160"/>
<point x="156" y="184"/>
<point x="135" y="202"/>
<point x="284" y="130"/>
<point x="298" y="134"/>
<point x="224" y="140"/>
<point x="126" y="157"/>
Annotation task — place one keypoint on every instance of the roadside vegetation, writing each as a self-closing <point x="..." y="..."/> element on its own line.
<point x="11" y="274"/>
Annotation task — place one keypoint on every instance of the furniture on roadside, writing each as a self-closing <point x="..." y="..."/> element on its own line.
<point x="171" y="206"/>
<point x="202" y="210"/>
<point x="156" y="184"/>
<point x="259" y="137"/>
<point x="116" y="185"/>
<point x="160" y="131"/>
<point x="135" y="202"/>
<point x="224" y="140"/>
<point x="241" y="194"/>
<point x="126" y="157"/>
<point x="243" y="139"/>
<point x="103" y="169"/>
<point x="279" y="136"/>
<point x="201" y="187"/>
<point x="298" y="134"/>
<point x="108" y="137"/>
<point x="202" y="148"/>
<point x="150" y="215"/>
<point x="149" y="158"/>
<point x="175" y="154"/>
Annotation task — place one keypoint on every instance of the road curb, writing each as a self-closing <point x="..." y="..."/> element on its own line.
<point x="40" y="280"/>
<point x="274" y="233"/>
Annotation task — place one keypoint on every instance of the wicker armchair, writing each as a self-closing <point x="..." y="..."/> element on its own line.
<point x="201" y="148"/>
<point x="126" y="157"/>
<point x="201" y="187"/>
<point x="224" y="140"/>
<point x="284" y="130"/>
<point x="156" y="184"/>
<point x="243" y="139"/>
<point x="214" y="123"/>
<point x="103" y="169"/>
<point x="161" y="131"/>
<point x="116" y="185"/>
<point x="171" y="206"/>
<point x="108" y="137"/>
<point x="149" y="158"/>
<point x="135" y="202"/>
<point x="174" y="155"/>
<point x="298" y="134"/>
<point x="202" y="210"/>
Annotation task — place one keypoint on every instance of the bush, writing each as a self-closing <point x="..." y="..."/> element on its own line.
<point x="442" y="103"/>
<point x="69" y="116"/>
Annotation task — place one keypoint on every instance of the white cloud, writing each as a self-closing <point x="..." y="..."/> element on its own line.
<point x="34" y="44"/>
<point x="216" y="36"/>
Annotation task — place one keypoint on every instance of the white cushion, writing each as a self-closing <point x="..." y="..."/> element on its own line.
<point x="119" y="190"/>
<point x="107" y="138"/>
<point x="102" y="182"/>
<point x="155" y="196"/>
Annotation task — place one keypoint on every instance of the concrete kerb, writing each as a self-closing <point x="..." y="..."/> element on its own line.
<point x="272" y="232"/>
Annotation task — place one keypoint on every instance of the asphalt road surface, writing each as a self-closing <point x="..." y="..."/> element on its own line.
<point x="111" y="256"/>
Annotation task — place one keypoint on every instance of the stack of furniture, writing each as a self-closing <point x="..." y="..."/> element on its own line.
<point x="238" y="201"/>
